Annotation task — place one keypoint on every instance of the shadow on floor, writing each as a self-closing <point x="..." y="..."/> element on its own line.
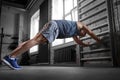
<point x="59" y="73"/>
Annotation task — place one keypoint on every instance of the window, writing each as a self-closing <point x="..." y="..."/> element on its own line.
<point x="34" y="29"/>
<point x="64" y="9"/>
<point x="68" y="5"/>
<point x="57" y="9"/>
<point x="70" y="13"/>
<point x="57" y="13"/>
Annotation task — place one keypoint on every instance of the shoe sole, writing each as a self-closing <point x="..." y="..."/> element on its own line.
<point x="9" y="65"/>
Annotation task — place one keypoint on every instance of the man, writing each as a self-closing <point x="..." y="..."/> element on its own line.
<point x="51" y="30"/>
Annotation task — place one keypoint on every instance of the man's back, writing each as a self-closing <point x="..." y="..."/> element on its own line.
<point x="67" y="28"/>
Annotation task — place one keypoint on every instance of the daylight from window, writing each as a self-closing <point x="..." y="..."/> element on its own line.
<point x="34" y="28"/>
<point x="64" y="9"/>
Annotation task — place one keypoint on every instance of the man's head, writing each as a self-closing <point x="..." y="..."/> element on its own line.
<point x="82" y="33"/>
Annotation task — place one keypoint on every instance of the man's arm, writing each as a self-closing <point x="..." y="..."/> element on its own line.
<point x="88" y="31"/>
<point x="78" y="41"/>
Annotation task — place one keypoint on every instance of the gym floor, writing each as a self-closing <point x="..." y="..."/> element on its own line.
<point x="59" y="73"/>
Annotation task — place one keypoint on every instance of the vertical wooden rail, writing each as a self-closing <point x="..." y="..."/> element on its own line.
<point x="112" y="31"/>
<point x="1" y="40"/>
<point x="0" y="26"/>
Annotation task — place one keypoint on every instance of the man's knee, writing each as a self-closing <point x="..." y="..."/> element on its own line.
<point x="39" y="38"/>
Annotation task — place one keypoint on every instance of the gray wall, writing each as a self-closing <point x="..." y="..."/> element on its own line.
<point x="12" y="24"/>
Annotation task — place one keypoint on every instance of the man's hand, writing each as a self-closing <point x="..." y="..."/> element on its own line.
<point x="78" y="41"/>
<point x="90" y="32"/>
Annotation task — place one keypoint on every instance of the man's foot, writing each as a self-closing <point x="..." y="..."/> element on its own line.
<point x="12" y="63"/>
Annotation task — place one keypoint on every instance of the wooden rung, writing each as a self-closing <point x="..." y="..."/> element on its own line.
<point x="99" y="34"/>
<point x="94" y="51"/>
<point x="86" y="3"/>
<point x="99" y="26"/>
<point x="96" y="59"/>
<point x="93" y="14"/>
<point x="80" y="1"/>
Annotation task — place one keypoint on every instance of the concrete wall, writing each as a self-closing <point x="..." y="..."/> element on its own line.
<point x="12" y="20"/>
<point x="16" y="23"/>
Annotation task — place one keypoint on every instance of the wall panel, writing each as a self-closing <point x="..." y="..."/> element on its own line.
<point x="95" y="15"/>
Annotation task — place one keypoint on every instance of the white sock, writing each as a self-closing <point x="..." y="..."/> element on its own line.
<point x="12" y="58"/>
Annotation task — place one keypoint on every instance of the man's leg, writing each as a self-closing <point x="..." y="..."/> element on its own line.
<point x="38" y="39"/>
<point x="11" y="61"/>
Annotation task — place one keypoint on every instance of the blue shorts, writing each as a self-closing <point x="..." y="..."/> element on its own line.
<point x="50" y="31"/>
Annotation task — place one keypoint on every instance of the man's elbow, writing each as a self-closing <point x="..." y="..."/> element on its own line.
<point x="90" y="33"/>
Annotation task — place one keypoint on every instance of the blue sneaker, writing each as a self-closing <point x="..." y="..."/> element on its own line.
<point x="12" y="63"/>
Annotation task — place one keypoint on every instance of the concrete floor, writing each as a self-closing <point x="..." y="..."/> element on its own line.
<point x="59" y="73"/>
